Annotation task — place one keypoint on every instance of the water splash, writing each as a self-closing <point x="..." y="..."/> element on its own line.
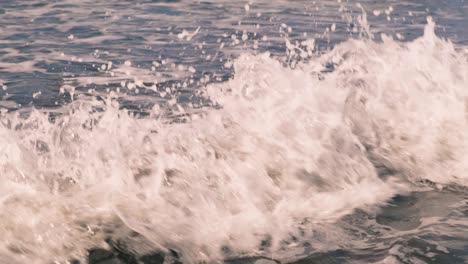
<point x="287" y="154"/>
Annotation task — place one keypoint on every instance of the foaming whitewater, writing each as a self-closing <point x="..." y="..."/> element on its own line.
<point x="284" y="154"/>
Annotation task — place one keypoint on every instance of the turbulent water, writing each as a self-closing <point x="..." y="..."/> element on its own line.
<point x="238" y="132"/>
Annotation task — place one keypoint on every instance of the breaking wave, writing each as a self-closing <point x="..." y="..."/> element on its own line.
<point x="284" y="153"/>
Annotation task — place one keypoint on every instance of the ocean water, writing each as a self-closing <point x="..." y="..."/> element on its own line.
<point x="180" y="131"/>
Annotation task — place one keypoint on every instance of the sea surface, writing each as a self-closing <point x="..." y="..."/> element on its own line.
<point x="259" y="132"/>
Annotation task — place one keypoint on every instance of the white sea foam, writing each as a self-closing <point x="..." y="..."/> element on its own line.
<point x="289" y="152"/>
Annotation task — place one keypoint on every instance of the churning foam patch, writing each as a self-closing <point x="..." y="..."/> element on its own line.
<point x="289" y="152"/>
